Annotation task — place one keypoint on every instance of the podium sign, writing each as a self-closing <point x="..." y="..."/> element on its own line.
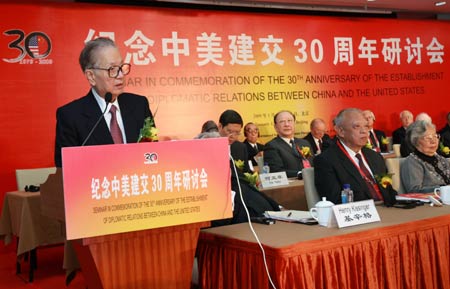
<point x="112" y="189"/>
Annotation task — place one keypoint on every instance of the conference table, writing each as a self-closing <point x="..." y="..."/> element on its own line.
<point x="406" y="249"/>
<point x="291" y="196"/>
<point x="21" y="217"/>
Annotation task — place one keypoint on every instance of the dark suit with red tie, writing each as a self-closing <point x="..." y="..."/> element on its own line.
<point x="333" y="168"/>
<point x="326" y="140"/>
<point x="280" y="156"/>
<point x="76" y="119"/>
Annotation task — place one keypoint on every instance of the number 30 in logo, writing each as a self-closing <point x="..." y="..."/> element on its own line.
<point x="36" y="45"/>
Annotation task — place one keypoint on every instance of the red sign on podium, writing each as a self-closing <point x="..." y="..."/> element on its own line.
<point x="112" y="189"/>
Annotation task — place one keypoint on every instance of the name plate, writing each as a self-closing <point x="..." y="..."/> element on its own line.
<point x="356" y="213"/>
<point x="271" y="180"/>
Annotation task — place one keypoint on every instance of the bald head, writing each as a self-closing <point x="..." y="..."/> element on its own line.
<point x="318" y="128"/>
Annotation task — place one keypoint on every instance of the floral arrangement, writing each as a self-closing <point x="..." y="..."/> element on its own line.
<point x="443" y="149"/>
<point x="239" y="164"/>
<point x="384" y="179"/>
<point x="253" y="179"/>
<point x="305" y="152"/>
<point x="148" y="133"/>
<point x="384" y="140"/>
<point x="368" y="145"/>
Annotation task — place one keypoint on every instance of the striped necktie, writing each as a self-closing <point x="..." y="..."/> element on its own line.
<point x="294" y="148"/>
<point x="116" y="133"/>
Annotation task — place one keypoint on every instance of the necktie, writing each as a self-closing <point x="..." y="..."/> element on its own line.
<point x="367" y="176"/>
<point x="320" y="144"/>
<point x="294" y="148"/>
<point x="374" y="141"/>
<point x="116" y="133"/>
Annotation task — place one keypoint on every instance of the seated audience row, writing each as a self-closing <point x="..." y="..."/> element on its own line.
<point x="345" y="160"/>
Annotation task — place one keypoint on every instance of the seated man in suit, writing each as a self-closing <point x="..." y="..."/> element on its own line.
<point x="376" y="137"/>
<point x="348" y="161"/>
<point x="317" y="137"/>
<point x="254" y="148"/>
<point x="286" y="152"/>
<point x="230" y="125"/>
<point x="406" y="147"/>
<point x="124" y="115"/>
<point x="398" y="135"/>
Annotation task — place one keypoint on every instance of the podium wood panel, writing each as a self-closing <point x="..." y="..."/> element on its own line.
<point x="156" y="258"/>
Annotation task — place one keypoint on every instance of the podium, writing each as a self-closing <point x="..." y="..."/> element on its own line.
<point x="151" y="258"/>
<point x="154" y="258"/>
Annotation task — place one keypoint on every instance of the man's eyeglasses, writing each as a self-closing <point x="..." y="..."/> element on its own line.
<point x="230" y="132"/>
<point x="252" y="130"/>
<point x="114" y="70"/>
<point x="431" y="137"/>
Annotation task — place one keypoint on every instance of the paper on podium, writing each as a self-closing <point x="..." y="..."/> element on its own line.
<point x="288" y="215"/>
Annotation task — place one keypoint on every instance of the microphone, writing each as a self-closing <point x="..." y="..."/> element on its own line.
<point x="108" y="98"/>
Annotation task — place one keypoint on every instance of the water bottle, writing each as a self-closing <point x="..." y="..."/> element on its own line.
<point x="344" y="194"/>
<point x="349" y="194"/>
<point x="265" y="169"/>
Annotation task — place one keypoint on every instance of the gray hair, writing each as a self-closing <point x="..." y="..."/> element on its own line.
<point x="315" y="122"/>
<point x="417" y="130"/>
<point x="369" y="113"/>
<point x="406" y="112"/>
<point x="423" y="116"/>
<point x="208" y="134"/>
<point x="88" y="55"/>
<point x="339" y="119"/>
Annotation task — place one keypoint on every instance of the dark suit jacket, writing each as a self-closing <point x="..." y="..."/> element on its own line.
<point x="239" y="152"/>
<point x="444" y="129"/>
<point x="445" y="138"/>
<point x="326" y="141"/>
<point x="252" y="152"/>
<point x="281" y="157"/>
<point x="333" y="169"/>
<point x="379" y="135"/>
<point x="76" y="119"/>
<point x="398" y="135"/>
<point x="256" y="202"/>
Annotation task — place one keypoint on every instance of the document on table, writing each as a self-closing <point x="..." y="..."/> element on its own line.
<point x="423" y="197"/>
<point x="288" y="215"/>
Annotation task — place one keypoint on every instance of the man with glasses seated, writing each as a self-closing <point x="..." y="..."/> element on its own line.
<point x="317" y="137"/>
<point x="254" y="148"/>
<point x="286" y="152"/>
<point x="80" y="122"/>
<point x="424" y="170"/>
<point x="230" y="126"/>
<point x="349" y="161"/>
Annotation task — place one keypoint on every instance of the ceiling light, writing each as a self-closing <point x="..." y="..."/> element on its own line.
<point x="440" y="3"/>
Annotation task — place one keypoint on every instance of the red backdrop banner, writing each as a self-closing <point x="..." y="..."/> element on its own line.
<point x="193" y="64"/>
